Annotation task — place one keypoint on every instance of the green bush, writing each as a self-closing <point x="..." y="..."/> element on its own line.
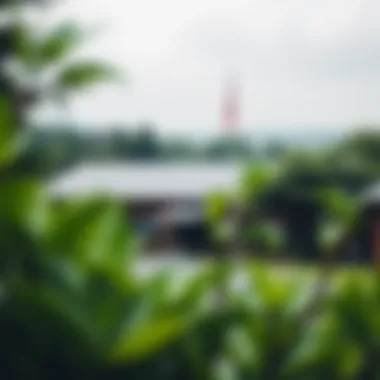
<point x="72" y="306"/>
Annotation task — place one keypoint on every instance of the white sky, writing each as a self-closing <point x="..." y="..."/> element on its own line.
<point x="308" y="63"/>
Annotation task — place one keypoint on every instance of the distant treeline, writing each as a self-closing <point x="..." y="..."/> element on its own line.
<point x="352" y="161"/>
<point x="53" y="149"/>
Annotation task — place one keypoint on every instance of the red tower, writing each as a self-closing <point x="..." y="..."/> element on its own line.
<point x="230" y="111"/>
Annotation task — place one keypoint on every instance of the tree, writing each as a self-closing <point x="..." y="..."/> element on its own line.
<point x="275" y="150"/>
<point x="36" y="57"/>
<point x="146" y="143"/>
<point x="225" y="148"/>
<point x="41" y="68"/>
<point x="363" y="145"/>
<point x="38" y="68"/>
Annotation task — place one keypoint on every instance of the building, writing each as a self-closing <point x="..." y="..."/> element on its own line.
<point x="165" y="202"/>
<point x="363" y="242"/>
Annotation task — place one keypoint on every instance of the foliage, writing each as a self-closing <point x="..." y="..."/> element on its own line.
<point x="37" y="68"/>
<point x="68" y="284"/>
<point x="265" y="238"/>
<point x="75" y="306"/>
<point x="222" y="148"/>
<point x="41" y="67"/>
<point x="80" y="75"/>
<point x="47" y="66"/>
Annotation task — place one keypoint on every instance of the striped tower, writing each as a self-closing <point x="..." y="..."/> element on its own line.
<point x="230" y="112"/>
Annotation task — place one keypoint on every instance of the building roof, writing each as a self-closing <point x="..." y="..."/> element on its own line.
<point x="142" y="181"/>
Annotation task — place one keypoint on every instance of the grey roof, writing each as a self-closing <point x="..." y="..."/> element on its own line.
<point x="141" y="181"/>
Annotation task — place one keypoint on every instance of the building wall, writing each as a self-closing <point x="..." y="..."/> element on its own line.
<point x="160" y="236"/>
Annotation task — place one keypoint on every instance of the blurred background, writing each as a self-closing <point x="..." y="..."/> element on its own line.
<point x="190" y="189"/>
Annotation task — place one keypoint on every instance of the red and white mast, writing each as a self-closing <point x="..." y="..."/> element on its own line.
<point x="230" y="112"/>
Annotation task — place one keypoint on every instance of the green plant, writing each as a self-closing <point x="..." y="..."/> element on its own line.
<point x="45" y="67"/>
<point x="72" y="306"/>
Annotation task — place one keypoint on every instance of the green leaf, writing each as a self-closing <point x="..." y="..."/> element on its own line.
<point x="52" y="312"/>
<point x="84" y="74"/>
<point x="147" y="339"/>
<point x="241" y="348"/>
<point x="23" y="202"/>
<point x="196" y="289"/>
<point x="36" y="53"/>
<point x="225" y="370"/>
<point x="11" y="143"/>
<point x="216" y="206"/>
<point x="319" y="343"/>
<point x="61" y="41"/>
<point x="26" y="45"/>
<point x="94" y="232"/>
<point x="256" y="180"/>
<point x="351" y="362"/>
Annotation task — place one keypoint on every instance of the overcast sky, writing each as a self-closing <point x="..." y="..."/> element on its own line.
<point x="300" y="63"/>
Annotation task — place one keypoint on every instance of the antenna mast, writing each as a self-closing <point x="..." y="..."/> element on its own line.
<point x="230" y="112"/>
